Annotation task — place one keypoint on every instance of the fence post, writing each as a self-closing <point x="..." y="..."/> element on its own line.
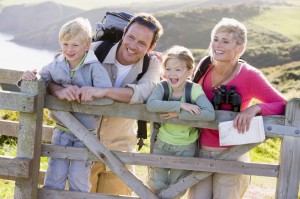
<point x="29" y="140"/>
<point x="289" y="170"/>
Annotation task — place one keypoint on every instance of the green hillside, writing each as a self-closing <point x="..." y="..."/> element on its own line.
<point x="283" y="20"/>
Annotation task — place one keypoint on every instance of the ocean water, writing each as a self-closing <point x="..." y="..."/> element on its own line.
<point x="16" y="57"/>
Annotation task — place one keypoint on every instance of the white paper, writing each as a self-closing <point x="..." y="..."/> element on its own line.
<point x="230" y="136"/>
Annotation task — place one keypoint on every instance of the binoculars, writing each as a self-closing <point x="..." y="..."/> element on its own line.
<point x="224" y="96"/>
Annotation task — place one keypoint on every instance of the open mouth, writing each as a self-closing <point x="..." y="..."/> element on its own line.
<point x="219" y="52"/>
<point x="173" y="80"/>
<point x="131" y="52"/>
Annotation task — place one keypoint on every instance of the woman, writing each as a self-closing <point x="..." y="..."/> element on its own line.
<point x="228" y="43"/>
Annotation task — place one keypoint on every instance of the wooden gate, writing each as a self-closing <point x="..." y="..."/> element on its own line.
<point x="31" y="101"/>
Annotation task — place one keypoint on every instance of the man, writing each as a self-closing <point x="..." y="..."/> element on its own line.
<point x="123" y="63"/>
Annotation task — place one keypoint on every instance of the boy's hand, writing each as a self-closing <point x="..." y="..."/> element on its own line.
<point x="68" y="93"/>
<point x="29" y="75"/>
<point x="192" y="108"/>
<point x="88" y="93"/>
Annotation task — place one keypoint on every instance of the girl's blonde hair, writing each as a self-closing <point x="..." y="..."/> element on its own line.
<point x="74" y="27"/>
<point x="182" y="54"/>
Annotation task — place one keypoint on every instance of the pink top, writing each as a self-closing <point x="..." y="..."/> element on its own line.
<point x="250" y="84"/>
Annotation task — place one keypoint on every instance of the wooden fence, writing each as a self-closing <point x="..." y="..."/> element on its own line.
<point x="30" y="101"/>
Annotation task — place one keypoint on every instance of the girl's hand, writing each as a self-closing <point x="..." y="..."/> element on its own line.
<point x="242" y="121"/>
<point x="29" y="75"/>
<point x="169" y="115"/>
<point x="192" y="108"/>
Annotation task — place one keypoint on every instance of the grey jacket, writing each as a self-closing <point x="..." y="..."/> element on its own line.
<point x="91" y="73"/>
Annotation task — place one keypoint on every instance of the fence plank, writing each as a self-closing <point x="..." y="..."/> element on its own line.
<point x="183" y="184"/>
<point x="44" y="193"/>
<point x="29" y="141"/>
<point x="273" y="125"/>
<point x="173" y="162"/>
<point x="289" y="175"/>
<point x="15" y="167"/>
<point x="10" y="128"/>
<point x="9" y="76"/>
<point x="16" y="101"/>
<point x="98" y="149"/>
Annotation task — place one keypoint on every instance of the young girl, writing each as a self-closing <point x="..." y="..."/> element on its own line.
<point x="177" y="140"/>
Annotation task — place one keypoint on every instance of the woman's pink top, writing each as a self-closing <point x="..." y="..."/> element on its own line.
<point x="251" y="84"/>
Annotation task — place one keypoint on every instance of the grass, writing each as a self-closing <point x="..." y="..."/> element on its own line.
<point x="283" y="20"/>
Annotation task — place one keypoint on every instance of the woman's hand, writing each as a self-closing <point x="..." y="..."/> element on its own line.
<point x="242" y="121"/>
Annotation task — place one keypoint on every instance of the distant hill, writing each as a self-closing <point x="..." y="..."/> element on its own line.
<point x="20" y="19"/>
<point x="186" y="23"/>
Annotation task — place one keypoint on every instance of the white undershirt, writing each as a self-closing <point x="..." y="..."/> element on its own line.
<point x="123" y="70"/>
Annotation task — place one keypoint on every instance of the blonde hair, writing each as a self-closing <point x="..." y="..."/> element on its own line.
<point x="182" y="54"/>
<point x="230" y="25"/>
<point x="74" y="27"/>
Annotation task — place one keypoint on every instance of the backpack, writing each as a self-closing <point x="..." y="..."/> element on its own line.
<point x="110" y="31"/>
<point x="112" y="26"/>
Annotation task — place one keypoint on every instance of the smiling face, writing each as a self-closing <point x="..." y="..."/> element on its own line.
<point x="73" y="49"/>
<point x="136" y="43"/>
<point x="224" y="47"/>
<point x="176" y="73"/>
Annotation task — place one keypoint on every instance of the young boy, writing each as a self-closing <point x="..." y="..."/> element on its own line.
<point x="76" y="66"/>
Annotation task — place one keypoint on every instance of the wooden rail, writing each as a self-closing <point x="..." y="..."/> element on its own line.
<point x="31" y="101"/>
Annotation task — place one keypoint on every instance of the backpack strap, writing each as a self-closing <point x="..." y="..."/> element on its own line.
<point x="142" y="125"/>
<point x="201" y="69"/>
<point x="146" y="63"/>
<point x="166" y="90"/>
<point x="188" y="92"/>
<point x="203" y="66"/>
<point x="103" y="49"/>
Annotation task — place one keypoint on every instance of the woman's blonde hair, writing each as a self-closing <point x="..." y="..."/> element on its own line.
<point x="182" y="54"/>
<point x="230" y="25"/>
<point x="74" y="27"/>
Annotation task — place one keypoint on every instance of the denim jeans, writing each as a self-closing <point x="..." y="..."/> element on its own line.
<point x="77" y="172"/>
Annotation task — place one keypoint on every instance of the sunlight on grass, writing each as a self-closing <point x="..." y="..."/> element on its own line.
<point x="284" y="20"/>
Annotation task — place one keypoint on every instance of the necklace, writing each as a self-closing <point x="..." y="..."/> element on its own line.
<point x="214" y="87"/>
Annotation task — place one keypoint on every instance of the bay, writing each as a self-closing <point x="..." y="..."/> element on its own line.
<point x="16" y="57"/>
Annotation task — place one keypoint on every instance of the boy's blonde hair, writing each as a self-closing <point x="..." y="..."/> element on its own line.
<point x="182" y="54"/>
<point x="74" y="27"/>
